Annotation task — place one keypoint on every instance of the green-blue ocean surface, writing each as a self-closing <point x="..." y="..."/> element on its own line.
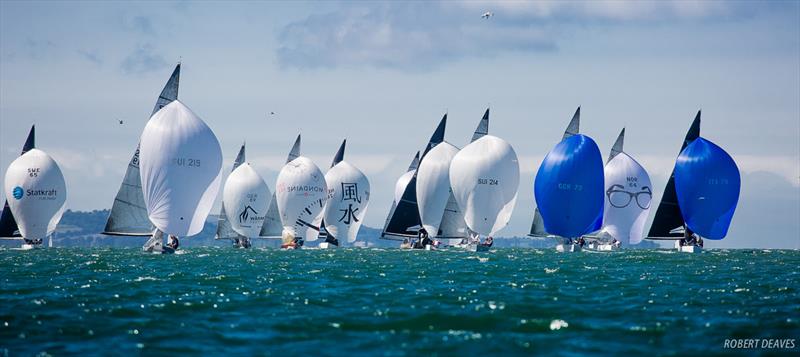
<point x="216" y="301"/>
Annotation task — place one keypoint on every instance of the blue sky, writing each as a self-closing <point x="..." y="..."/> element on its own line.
<point x="382" y="74"/>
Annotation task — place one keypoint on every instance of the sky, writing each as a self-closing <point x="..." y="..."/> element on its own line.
<point x="382" y="74"/>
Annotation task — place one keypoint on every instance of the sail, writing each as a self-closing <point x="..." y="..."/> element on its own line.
<point x="8" y="226"/>
<point x="273" y="227"/>
<point x="574" y="125"/>
<point x="617" y="148"/>
<point x="668" y="214"/>
<point x="181" y="163"/>
<point x="485" y="179"/>
<point x="569" y="187"/>
<point x="339" y="154"/>
<point x="707" y="183"/>
<point x="483" y="127"/>
<point x="404" y="219"/>
<point x="348" y="198"/>
<point x="627" y="199"/>
<point x="128" y="214"/>
<point x="452" y="226"/>
<point x="36" y="193"/>
<point x="400" y="189"/>
<point x="433" y="186"/>
<point x="537" y="226"/>
<point x="246" y="197"/>
<point x="301" y="192"/>
<point x="224" y="230"/>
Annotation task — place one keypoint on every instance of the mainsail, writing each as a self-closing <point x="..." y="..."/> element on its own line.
<point x="36" y="193"/>
<point x="224" y="230"/>
<point x="128" y="216"/>
<point x="404" y="220"/>
<point x="8" y="225"/>
<point x="707" y="183"/>
<point x="668" y="218"/>
<point x="537" y="227"/>
<point x="273" y="227"/>
<point x="569" y="187"/>
<point x="617" y="148"/>
<point x="400" y="189"/>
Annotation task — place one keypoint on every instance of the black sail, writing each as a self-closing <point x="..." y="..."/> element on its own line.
<point x="8" y="225"/>
<point x="668" y="215"/>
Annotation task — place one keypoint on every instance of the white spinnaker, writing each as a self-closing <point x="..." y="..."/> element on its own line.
<point x="181" y="165"/>
<point x="36" y="193"/>
<point x="485" y="180"/>
<point x="433" y="186"/>
<point x="246" y="197"/>
<point x="628" y="189"/>
<point x="401" y="184"/>
<point x="348" y="198"/>
<point x="301" y="192"/>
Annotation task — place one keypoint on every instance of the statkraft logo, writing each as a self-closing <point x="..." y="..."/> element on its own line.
<point x="18" y="192"/>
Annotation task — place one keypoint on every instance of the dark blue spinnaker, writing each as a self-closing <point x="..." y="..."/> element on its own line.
<point x="569" y="187"/>
<point x="707" y="182"/>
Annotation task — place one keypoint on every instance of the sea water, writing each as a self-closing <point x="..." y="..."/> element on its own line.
<point x="216" y="301"/>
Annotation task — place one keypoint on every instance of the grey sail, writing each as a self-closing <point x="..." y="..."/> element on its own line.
<point x="403" y="220"/>
<point x="537" y="227"/>
<point x="224" y="230"/>
<point x="273" y="228"/>
<point x="668" y="221"/>
<point x="617" y="148"/>
<point x="128" y="215"/>
<point x="339" y="154"/>
<point x="411" y="167"/>
<point x="8" y="225"/>
<point x="483" y="127"/>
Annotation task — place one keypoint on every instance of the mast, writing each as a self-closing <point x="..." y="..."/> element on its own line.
<point x="224" y="230"/>
<point x="128" y="216"/>
<point x="273" y="227"/>
<point x="668" y="215"/>
<point x="8" y="225"/>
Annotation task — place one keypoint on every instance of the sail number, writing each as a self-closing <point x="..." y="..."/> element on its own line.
<point x="570" y="187"/>
<point x="186" y="162"/>
<point x="33" y="171"/>
<point x="490" y="181"/>
<point x="717" y="181"/>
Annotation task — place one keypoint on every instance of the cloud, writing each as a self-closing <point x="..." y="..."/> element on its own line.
<point x="140" y="24"/>
<point x="401" y="35"/>
<point x="91" y="56"/>
<point x="143" y="60"/>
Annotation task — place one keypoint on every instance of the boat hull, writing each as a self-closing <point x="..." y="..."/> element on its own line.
<point x="568" y="248"/>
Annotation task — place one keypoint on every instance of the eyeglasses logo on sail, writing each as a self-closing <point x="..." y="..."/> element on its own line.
<point x="619" y="198"/>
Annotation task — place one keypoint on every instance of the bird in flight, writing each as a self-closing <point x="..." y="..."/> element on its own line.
<point x="120" y="121"/>
<point x="487" y="15"/>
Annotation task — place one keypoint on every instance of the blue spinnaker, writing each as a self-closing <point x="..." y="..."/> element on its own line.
<point x="569" y="187"/>
<point x="707" y="182"/>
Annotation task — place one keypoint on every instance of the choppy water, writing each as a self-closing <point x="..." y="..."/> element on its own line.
<point x="391" y="302"/>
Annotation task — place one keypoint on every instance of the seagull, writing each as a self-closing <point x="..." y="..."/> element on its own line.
<point x="487" y="15"/>
<point x="120" y="121"/>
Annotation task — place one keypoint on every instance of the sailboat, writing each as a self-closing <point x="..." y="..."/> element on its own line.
<point x="273" y="227"/>
<point x="537" y="226"/>
<point x="8" y="225"/>
<point x="484" y="176"/>
<point x="399" y="189"/>
<point x="36" y="194"/>
<point x="128" y="216"/>
<point x="433" y="186"/>
<point x="180" y="168"/>
<point x="300" y="193"/>
<point x="346" y="205"/>
<point x="403" y="221"/>
<point x="709" y="183"/>
<point x="628" y="193"/>
<point x="569" y="190"/>
<point x="245" y="198"/>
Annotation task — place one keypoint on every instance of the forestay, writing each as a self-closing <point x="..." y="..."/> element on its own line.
<point x="707" y="182"/>
<point x="36" y="193"/>
<point x="569" y="187"/>
<point x="181" y="164"/>
<point x="485" y="178"/>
